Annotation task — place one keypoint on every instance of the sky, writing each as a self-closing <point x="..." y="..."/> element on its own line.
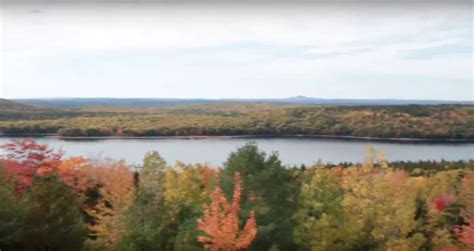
<point x="139" y="49"/>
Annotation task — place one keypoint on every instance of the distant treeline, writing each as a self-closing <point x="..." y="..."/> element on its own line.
<point x="412" y="121"/>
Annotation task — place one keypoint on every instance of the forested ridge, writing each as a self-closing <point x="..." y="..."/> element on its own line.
<point x="10" y="110"/>
<point x="410" y="121"/>
<point x="252" y="202"/>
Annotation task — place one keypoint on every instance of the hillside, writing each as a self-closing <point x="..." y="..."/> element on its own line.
<point x="11" y="110"/>
<point x="11" y="106"/>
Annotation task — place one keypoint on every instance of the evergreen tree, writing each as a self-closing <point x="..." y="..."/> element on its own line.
<point x="268" y="190"/>
<point x="11" y="214"/>
<point x="52" y="219"/>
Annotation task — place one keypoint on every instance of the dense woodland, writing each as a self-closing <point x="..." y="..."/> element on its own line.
<point x="408" y="121"/>
<point x="50" y="202"/>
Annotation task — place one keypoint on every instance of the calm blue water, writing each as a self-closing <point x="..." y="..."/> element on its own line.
<point x="292" y="151"/>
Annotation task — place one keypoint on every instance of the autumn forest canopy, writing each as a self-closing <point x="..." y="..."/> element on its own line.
<point x="429" y="122"/>
<point x="52" y="202"/>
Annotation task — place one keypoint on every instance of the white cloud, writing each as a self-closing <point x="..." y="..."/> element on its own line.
<point x="319" y="41"/>
<point x="127" y="27"/>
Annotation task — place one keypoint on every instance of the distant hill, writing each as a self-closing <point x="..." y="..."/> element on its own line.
<point x="18" y="110"/>
<point x="309" y="100"/>
<point x="75" y="102"/>
<point x="11" y="106"/>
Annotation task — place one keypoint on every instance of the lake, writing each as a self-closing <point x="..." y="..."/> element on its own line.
<point x="292" y="151"/>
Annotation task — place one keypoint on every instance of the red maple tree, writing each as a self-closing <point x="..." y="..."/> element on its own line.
<point x="440" y="202"/>
<point x="25" y="157"/>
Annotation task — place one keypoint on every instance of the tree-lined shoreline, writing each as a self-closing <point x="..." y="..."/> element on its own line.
<point x="198" y="137"/>
<point x="392" y="123"/>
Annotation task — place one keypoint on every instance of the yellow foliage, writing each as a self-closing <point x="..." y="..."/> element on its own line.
<point x="188" y="184"/>
<point x="379" y="204"/>
<point x="115" y="183"/>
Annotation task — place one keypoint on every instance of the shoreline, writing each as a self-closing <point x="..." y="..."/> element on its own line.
<point x="200" y="137"/>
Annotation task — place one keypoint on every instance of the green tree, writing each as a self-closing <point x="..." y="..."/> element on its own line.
<point x="322" y="224"/>
<point x="151" y="173"/>
<point x="52" y="220"/>
<point x="11" y="214"/>
<point x="168" y="203"/>
<point x="146" y="216"/>
<point x="268" y="190"/>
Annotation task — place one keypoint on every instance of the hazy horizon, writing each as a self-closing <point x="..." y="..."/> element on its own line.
<point x="228" y="98"/>
<point x="330" y="51"/>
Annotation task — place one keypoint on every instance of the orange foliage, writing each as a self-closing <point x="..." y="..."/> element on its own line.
<point x="115" y="183"/>
<point x="466" y="237"/>
<point x="72" y="172"/>
<point x="221" y="222"/>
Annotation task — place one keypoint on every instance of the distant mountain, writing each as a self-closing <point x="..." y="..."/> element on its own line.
<point x="75" y="102"/>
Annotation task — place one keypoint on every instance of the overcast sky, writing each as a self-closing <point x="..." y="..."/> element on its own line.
<point x="406" y="51"/>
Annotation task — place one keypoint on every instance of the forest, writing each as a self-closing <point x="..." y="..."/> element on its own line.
<point x="253" y="202"/>
<point x="429" y="122"/>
